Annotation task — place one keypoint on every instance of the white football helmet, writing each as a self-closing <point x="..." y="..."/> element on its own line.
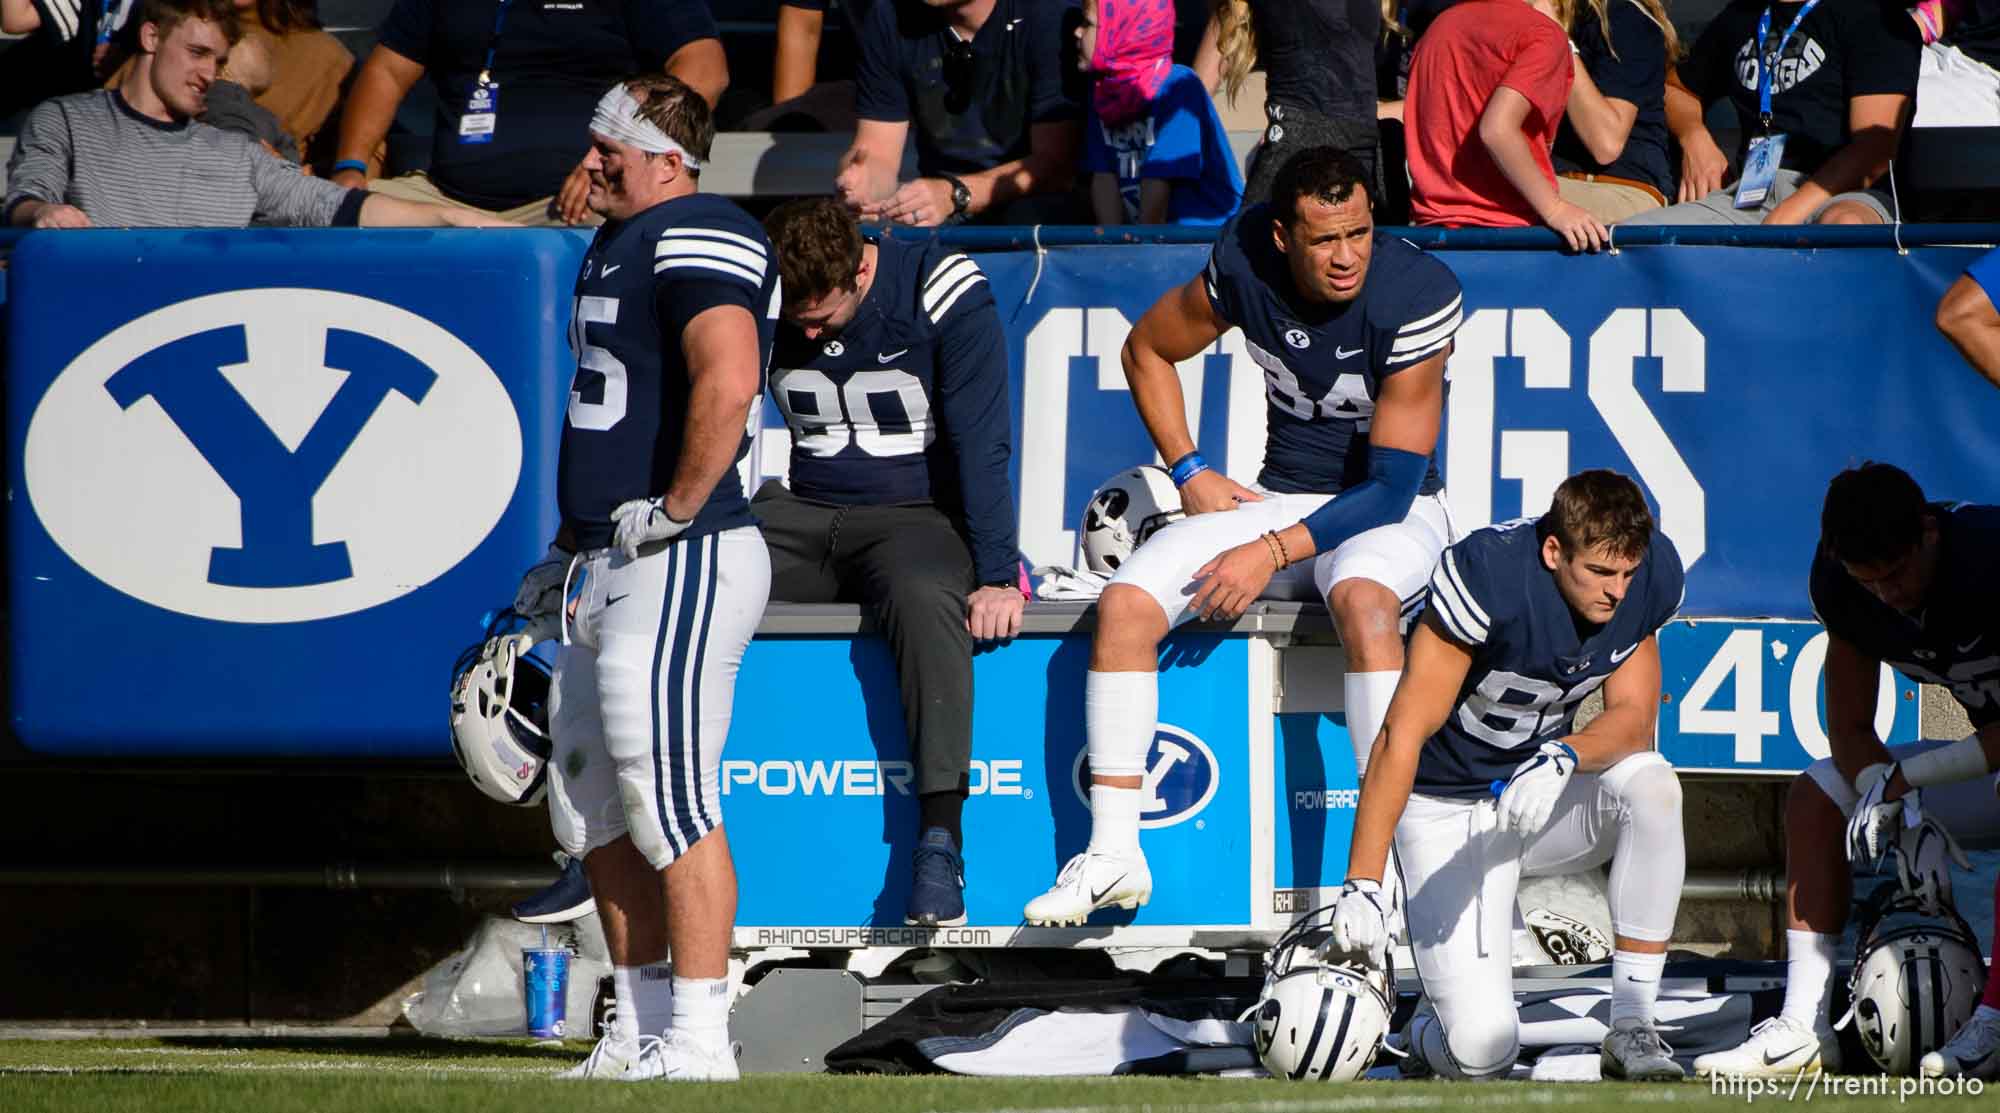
<point x="1916" y="979"/>
<point x="1315" y="1018"/>
<point x="1127" y="509"/>
<point x="499" y="715"/>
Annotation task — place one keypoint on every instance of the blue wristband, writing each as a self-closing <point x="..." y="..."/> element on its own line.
<point x="354" y="164"/>
<point x="1187" y="467"/>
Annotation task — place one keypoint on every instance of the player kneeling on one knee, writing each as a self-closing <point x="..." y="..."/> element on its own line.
<point x="1352" y="327"/>
<point x="1479" y="780"/>
<point x="1901" y="581"/>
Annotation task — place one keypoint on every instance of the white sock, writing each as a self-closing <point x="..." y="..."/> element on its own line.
<point x="653" y="991"/>
<point x="1114" y="818"/>
<point x="1121" y="710"/>
<point x="1635" y="985"/>
<point x="1808" y="970"/>
<point x="625" y="1022"/>
<point x="701" y="1009"/>
<point x="1367" y="696"/>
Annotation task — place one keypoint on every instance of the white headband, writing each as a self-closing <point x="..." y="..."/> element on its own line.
<point x="617" y="117"/>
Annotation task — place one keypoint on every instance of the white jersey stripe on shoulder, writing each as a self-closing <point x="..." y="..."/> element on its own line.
<point x="1478" y="613"/>
<point x="952" y="295"/>
<point x="705" y="249"/>
<point x="1412" y="357"/>
<point x="943" y="279"/>
<point x="945" y="267"/>
<point x="1412" y="341"/>
<point x="1447" y="610"/>
<point x="69" y="13"/>
<point x="1423" y="323"/>
<point x="716" y="234"/>
<point x="686" y="263"/>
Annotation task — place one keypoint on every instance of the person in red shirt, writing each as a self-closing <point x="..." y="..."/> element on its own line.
<point x="1487" y="89"/>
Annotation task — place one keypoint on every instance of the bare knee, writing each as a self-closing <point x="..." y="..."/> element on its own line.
<point x="1849" y="212"/>
<point x="1130" y="625"/>
<point x="1369" y="618"/>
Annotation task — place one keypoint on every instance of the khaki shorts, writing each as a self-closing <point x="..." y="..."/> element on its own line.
<point x="1608" y="201"/>
<point x="418" y="187"/>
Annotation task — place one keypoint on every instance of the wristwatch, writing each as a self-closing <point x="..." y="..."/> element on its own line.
<point x="961" y="199"/>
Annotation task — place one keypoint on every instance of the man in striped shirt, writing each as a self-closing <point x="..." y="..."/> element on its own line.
<point x="136" y="157"/>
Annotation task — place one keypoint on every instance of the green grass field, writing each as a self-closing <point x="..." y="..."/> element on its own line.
<point x="216" y="1075"/>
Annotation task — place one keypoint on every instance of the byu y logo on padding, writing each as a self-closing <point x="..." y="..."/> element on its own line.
<point x="1180" y="780"/>
<point x="274" y="455"/>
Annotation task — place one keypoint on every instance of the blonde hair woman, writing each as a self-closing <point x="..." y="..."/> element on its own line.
<point x="1611" y="154"/>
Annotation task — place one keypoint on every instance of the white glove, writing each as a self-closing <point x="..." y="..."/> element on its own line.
<point x="541" y="592"/>
<point x="643" y="521"/>
<point x="1529" y="798"/>
<point x="1924" y="854"/>
<point x="1361" y="921"/>
<point x="1876" y="823"/>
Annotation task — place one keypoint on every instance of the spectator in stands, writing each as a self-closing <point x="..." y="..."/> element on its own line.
<point x="136" y="157"/>
<point x="1968" y="319"/>
<point x="981" y="84"/>
<point x="1958" y="80"/>
<point x="1318" y="58"/>
<point x="912" y="517"/>
<point x="516" y="84"/>
<point x="1153" y="145"/>
<point x="232" y="104"/>
<point x="799" y="100"/>
<point x="1845" y="71"/>
<point x="1611" y="154"/>
<point x="1487" y="89"/>
<point x="67" y="43"/>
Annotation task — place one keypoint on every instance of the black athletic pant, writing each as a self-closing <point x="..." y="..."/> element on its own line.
<point x="909" y="566"/>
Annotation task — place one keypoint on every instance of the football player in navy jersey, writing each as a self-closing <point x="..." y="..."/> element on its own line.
<point x="1480" y="779"/>
<point x="1351" y="328"/>
<point x="658" y="577"/>
<point x="891" y="370"/>
<point x="1911" y="584"/>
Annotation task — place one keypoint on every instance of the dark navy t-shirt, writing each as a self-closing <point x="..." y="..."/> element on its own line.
<point x="1955" y="639"/>
<point x="970" y="116"/>
<point x="555" y="59"/>
<point x="1181" y="141"/>
<point x="1532" y="661"/>
<point x="1632" y="68"/>
<point x="641" y="283"/>
<point x="1324" y="365"/>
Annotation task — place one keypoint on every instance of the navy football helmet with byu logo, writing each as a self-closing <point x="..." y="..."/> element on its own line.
<point x="499" y="714"/>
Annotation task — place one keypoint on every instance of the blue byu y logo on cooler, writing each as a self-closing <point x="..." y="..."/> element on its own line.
<point x="1181" y="778"/>
<point x="273" y="455"/>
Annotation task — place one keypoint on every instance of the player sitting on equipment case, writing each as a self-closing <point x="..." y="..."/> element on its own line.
<point x="1524" y="620"/>
<point x="891" y="370"/>
<point x="1351" y="327"/>
<point x="1911" y="584"/>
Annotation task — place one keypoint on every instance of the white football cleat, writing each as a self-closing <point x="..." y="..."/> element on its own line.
<point x="1092" y="880"/>
<point x="678" y="1057"/>
<point x="614" y="1060"/>
<point x="1635" y="1052"/>
<point x="1973" y="1053"/>
<point x="1777" y="1048"/>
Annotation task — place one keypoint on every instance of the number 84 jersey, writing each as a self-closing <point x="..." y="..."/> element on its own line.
<point x="1533" y="661"/>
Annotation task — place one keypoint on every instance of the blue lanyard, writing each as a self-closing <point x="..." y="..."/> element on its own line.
<point x="493" y="45"/>
<point x="1768" y="61"/>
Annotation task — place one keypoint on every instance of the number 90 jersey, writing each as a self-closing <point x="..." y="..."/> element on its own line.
<point x="1532" y="662"/>
<point x="642" y="281"/>
<point x="1323" y="364"/>
<point x="1955" y="640"/>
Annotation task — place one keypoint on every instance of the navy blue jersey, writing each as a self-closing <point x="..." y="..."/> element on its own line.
<point x="1532" y="661"/>
<point x="1324" y="365"/>
<point x="908" y="404"/>
<point x="642" y="281"/>
<point x="1955" y="639"/>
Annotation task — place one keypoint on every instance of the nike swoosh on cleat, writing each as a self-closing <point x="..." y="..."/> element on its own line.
<point x="1772" y="1060"/>
<point x="615" y="598"/>
<point x="1099" y="894"/>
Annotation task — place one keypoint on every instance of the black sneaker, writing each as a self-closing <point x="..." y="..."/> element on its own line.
<point x="568" y="899"/>
<point x="937" y="894"/>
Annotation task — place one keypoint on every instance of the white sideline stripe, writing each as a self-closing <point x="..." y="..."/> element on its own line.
<point x="302" y="1067"/>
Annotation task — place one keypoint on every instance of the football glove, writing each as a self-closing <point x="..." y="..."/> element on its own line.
<point x="642" y="522"/>
<point x="1923" y="855"/>
<point x="1361" y="922"/>
<point x="540" y="595"/>
<point x="1876" y="823"/>
<point x="1529" y="798"/>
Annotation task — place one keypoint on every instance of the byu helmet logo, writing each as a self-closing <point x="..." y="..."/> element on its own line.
<point x="286" y="454"/>
<point x="1180" y="779"/>
<point x="1297" y="338"/>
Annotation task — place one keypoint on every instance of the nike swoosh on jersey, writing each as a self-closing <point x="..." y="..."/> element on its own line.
<point x="1099" y="894"/>
<point x="608" y="268"/>
<point x="1624" y="653"/>
<point x="885" y="357"/>
<point x="1346" y="353"/>
<point x="1972" y="645"/>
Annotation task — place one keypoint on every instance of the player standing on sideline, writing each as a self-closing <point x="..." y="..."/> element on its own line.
<point x="1526" y="619"/>
<point x="1898" y="581"/>
<point x="1351" y="327"/>
<point x="663" y="569"/>
<point x="891" y="369"/>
